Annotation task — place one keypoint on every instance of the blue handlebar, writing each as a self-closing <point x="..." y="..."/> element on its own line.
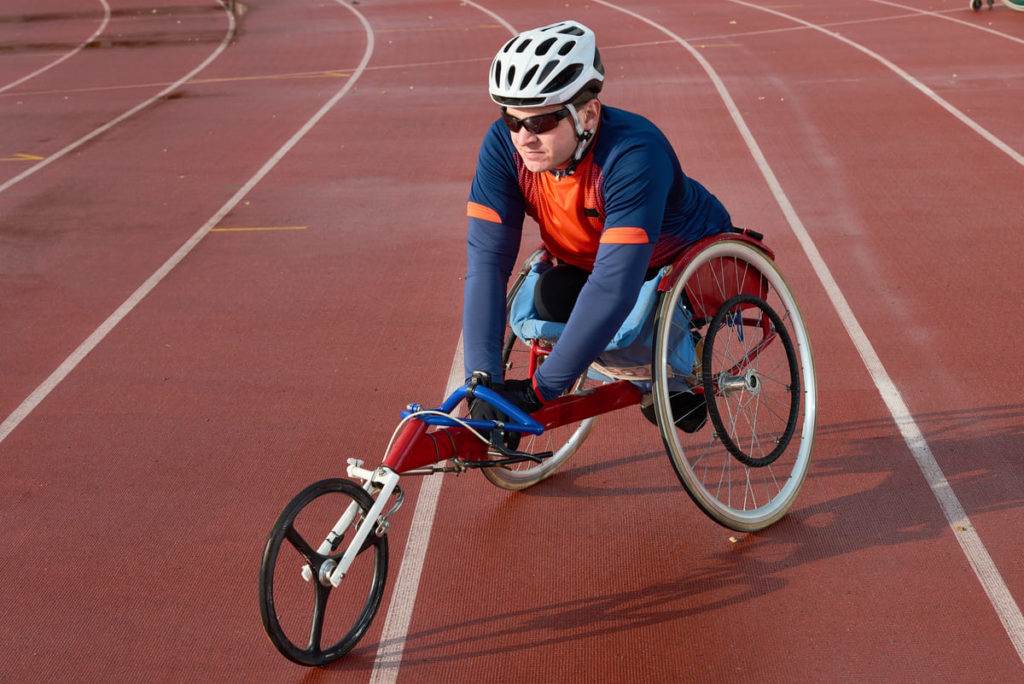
<point x="519" y="420"/>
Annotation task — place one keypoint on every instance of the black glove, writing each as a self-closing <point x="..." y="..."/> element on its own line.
<point x="520" y="393"/>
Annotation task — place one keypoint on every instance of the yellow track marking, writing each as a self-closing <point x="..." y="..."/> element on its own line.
<point x="22" y="157"/>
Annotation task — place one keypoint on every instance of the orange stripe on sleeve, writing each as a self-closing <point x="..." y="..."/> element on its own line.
<point x="479" y="211"/>
<point x="625" y="236"/>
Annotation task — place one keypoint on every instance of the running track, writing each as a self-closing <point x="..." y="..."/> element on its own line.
<point x="171" y="380"/>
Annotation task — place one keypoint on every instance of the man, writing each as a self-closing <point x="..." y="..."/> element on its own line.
<point x="608" y="193"/>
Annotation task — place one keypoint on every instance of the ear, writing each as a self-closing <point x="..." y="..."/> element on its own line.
<point x="590" y="114"/>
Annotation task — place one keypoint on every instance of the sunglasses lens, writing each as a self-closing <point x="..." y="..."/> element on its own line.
<point x="541" y="123"/>
<point x="512" y="122"/>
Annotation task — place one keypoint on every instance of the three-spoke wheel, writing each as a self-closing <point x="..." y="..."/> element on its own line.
<point x="310" y="621"/>
<point x="753" y="365"/>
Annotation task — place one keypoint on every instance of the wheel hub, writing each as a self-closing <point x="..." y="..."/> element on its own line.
<point x="747" y="382"/>
<point x="326" y="568"/>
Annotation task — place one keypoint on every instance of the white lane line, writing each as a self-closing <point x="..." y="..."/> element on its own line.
<point x="941" y="15"/>
<point x="69" y="364"/>
<point x="131" y="112"/>
<point x="396" y="626"/>
<point x="403" y="598"/>
<point x="977" y="555"/>
<point x="928" y="92"/>
<point x="103" y="25"/>
<point x="511" y="29"/>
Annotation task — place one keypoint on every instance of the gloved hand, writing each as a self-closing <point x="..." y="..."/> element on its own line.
<point x="520" y="393"/>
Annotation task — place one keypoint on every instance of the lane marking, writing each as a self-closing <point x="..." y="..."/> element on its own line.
<point x="90" y="343"/>
<point x="274" y="77"/>
<point x="19" y="157"/>
<point x="976" y="553"/>
<point x="97" y="32"/>
<point x="388" y="659"/>
<point x="493" y="15"/>
<point x="228" y="37"/>
<point x="256" y="229"/>
<point x="440" y="29"/>
<point x="928" y="92"/>
<point x="396" y="625"/>
<point x="953" y="19"/>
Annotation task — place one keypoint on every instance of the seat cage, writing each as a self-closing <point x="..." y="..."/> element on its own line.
<point x="718" y="280"/>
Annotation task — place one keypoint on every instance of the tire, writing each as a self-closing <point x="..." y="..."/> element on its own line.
<point x="561" y="441"/>
<point x="755" y="410"/>
<point x="295" y="611"/>
<point x="745" y="467"/>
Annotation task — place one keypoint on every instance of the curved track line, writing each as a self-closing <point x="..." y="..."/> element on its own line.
<point x="931" y="94"/>
<point x="403" y="597"/>
<point x="977" y="555"/>
<point x="111" y="322"/>
<point x="492" y="15"/>
<point x="953" y="19"/>
<point x="131" y="112"/>
<point x="103" y="25"/>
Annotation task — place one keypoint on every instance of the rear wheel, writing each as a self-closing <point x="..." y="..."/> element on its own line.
<point x="745" y="467"/>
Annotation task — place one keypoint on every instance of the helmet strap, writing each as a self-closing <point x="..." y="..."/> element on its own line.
<point x="583" y="136"/>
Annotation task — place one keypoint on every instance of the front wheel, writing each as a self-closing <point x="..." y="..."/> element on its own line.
<point x="308" y="539"/>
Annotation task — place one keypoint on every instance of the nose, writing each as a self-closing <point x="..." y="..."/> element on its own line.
<point x="523" y="136"/>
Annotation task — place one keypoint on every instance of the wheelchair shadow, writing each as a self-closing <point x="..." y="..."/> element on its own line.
<point x="896" y="509"/>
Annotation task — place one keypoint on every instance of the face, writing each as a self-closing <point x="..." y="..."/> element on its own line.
<point x="554" y="148"/>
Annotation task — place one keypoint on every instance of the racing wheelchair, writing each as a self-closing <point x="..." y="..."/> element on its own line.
<point x="720" y="321"/>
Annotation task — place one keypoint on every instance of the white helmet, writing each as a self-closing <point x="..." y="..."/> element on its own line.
<point x="545" y="66"/>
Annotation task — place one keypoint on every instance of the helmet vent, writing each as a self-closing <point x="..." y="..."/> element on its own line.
<point x="543" y="48"/>
<point x="546" y="71"/>
<point x="567" y="48"/>
<point x="496" y="73"/>
<point x="528" y="77"/>
<point x="567" y="76"/>
<point x="522" y="46"/>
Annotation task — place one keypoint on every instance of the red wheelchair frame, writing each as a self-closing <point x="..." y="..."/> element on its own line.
<point x="416" y="447"/>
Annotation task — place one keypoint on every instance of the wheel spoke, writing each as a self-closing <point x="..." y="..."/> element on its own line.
<point x="319" y="610"/>
<point x="300" y="544"/>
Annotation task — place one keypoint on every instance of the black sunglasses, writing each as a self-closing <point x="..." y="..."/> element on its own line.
<point x="542" y="123"/>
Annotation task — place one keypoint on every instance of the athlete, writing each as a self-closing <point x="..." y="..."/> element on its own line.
<point x="611" y="200"/>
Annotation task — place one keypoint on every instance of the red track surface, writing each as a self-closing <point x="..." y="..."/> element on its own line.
<point x="138" y="483"/>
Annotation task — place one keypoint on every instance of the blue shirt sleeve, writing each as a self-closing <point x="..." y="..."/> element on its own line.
<point x="491" y="250"/>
